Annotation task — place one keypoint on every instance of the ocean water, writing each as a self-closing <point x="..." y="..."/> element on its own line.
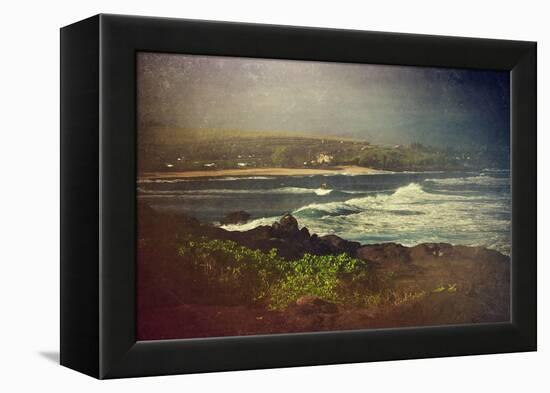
<point x="467" y="208"/>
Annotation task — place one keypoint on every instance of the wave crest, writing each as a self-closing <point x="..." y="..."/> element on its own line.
<point x="409" y="215"/>
<point x="355" y="205"/>
<point x="233" y="178"/>
<point x="482" y="180"/>
<point x="217" y="191"/>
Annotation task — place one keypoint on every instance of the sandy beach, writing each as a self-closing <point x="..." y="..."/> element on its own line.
<point x="352" y="170"/>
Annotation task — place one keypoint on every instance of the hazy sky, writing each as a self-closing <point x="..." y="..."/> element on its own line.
<point x="383" y="104"/>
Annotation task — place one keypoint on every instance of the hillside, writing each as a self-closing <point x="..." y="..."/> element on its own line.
<point x="181" y="150"/>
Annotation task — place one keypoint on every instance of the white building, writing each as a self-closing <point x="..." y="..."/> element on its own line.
<point x="324" y="158"/>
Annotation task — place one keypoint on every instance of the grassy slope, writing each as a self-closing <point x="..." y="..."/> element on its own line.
<point x="284" y="149"/>
<point x="194" y="283"/>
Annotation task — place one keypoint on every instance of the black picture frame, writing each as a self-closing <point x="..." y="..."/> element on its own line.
<point x="98" y="201"/>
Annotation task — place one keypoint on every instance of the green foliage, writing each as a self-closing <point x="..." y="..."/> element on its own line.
<point x="442" y="288"/>
<point x="192" y="149"/>
<point x="239" y="270"/>
<point x="281" y="155"/>
<point x="266" y="277"/>
<point x="314" y="275"/>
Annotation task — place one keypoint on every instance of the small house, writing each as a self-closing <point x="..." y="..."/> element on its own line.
<point x="324" y="158"/>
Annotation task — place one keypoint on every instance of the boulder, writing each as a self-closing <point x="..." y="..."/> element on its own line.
<point x="289" y="223"/>
<point x="384" y="253"/>
<point x="339" y="245"/>
<point x="286" y="227"/>
<point x="237" y="217"/>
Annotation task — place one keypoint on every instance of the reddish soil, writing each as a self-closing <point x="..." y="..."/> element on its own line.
<point x="429" y="284"/>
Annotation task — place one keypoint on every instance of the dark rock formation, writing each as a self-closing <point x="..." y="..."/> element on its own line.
<point x="440" y="250"/>
<point x="293" y="242"/>
<point x="337" y="244"/>
<point x="286" y="227"/>
<point x="238" y="217"/>
<point x="427" y="284"/>
<point x="387" y="252"/>
<point x="286" y="236"/>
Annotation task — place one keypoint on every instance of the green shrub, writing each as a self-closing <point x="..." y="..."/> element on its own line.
<point x="265" y="277"/>
<point x="314" y="275"/>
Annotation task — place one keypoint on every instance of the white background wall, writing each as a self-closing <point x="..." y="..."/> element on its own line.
<point x="29" y="194"/>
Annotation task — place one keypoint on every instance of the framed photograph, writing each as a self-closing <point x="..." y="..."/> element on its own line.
<point x="239" y="196"/>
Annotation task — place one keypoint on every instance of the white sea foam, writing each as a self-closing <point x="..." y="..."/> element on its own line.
<point x="296" y="190"/>
<point x="228" y="178"/>
<point x="232" y="178"/>
<point x="410" y="215"/>
<point x="496" y="170"/>
<point x="167" y="181"/>
<point x="214" y="191"/>
<point x="482" y="179"/>
<point x="252" y="224"/>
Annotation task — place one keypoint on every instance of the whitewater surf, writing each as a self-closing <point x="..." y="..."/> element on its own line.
<point x="467" y="208"/>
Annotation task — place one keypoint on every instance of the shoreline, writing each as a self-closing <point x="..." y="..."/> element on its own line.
<point x="386" y="285"/>
<point x="351" y="169"/>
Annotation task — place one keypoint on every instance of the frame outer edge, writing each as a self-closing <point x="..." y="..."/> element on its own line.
<point x="524" y="200"/>
<point x="122" y="356"/>
<point x="79" y="290"/>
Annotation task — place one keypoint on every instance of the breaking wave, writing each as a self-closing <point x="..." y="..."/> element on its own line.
<point x="483" y="180"/>
<point x="409" y="215"/>
<point x="233" y="178"/>
<point x="214" y="191"/>
<point x="161" y="181"/>
<point x="180" y="180"/>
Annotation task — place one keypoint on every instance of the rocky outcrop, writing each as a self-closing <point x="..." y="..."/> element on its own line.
<point x="291" y="241"/>
<point x="285" y="235"/>
<point x="337" y="244"/>
<point x="286" y="227"/>
<point x="238" y="217"/>
<point x="384" y="253"/>
<point x="441" y="250"/>
<point x="427" y="284"/>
